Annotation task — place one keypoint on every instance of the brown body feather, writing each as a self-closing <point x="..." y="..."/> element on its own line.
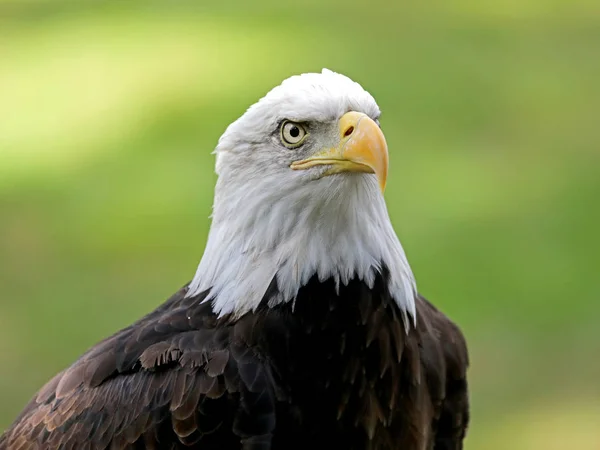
<point x="334" y="370"/>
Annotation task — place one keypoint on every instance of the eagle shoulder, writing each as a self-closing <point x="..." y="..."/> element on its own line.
<point x="445" y="360"/>
<point x="180" y="374"/>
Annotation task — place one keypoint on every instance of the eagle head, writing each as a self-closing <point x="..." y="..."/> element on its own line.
<point x="299" y="193"/>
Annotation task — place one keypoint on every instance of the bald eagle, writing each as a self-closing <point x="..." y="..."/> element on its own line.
<point x="302" y="327"/>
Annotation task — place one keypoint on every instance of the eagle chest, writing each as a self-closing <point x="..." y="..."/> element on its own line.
<point x="344" y="361"/>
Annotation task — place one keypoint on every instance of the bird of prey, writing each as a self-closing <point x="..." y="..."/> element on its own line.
<point x="302" y="327"/>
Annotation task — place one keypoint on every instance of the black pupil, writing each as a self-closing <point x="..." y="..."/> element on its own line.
<point x="294" y="131"/>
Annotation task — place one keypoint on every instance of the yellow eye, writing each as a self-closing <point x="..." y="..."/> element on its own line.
<point x="292" y="133"/>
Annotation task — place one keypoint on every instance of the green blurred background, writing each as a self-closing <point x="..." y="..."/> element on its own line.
<point x="109" y="113"/>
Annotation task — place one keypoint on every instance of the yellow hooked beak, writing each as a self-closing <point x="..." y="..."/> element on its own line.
<point x="362" y="148"/>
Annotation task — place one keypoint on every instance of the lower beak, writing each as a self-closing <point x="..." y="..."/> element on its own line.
<point x="362" y="148"/>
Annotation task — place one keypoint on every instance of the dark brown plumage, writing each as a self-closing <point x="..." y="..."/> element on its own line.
<point x="328" y="371"/>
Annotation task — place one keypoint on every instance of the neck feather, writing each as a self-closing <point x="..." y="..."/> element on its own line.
<point x="284" y="238"/>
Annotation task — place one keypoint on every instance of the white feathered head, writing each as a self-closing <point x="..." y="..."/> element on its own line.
<point x="300" y="193"/>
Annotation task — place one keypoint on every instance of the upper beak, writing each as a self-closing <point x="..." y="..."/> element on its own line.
<point x="362" y="148"/>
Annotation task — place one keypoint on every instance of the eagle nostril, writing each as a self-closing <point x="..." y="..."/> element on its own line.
<point x="349" y="131"/>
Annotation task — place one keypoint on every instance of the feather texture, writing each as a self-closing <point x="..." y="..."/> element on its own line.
<point x="182" y="377"/>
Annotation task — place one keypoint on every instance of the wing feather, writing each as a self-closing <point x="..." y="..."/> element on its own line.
<point x="160" y="383"/>
<point x="445" y="361"/>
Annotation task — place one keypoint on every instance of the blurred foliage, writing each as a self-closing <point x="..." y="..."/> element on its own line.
<point x="109" y="112"/>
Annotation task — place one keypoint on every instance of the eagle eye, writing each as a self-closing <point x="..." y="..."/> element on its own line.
<point x="292" y="133"/>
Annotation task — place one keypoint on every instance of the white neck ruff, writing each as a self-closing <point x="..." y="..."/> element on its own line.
<point x="291" y="234"/>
